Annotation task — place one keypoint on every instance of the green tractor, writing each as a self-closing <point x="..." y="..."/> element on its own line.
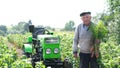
<point x="44" y="46"/>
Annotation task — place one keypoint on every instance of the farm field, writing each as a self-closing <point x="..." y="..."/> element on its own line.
<point x="11" y="57"/>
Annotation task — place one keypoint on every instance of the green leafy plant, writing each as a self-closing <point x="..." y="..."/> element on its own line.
<point x="99" y="32"/>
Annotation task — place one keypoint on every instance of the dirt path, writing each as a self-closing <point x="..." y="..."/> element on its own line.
<point x="19" y="51"/>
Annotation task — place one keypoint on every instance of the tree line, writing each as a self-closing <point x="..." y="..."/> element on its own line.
<point x="23" y="27"/>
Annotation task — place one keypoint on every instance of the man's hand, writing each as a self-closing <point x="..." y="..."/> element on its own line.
<point x="91" y="49"/>
<point x="93" y="53"/>
<point x="97" y="55"/>
<point x="75" y="55"/>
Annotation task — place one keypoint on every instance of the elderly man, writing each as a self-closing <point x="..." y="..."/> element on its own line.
<point x="84" y="38"/>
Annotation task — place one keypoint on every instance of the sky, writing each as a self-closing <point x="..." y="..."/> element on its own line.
<point x="54" y="13"/>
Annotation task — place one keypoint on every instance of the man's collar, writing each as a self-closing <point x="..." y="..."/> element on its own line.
<point x="87" y="25"/>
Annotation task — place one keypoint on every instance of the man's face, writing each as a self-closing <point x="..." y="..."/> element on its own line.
<point x="86" y="19"/>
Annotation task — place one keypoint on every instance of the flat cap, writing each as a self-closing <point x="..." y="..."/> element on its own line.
<point x="84" y="13"/>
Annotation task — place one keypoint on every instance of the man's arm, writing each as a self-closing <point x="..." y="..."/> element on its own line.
<point x="75" y="41"/>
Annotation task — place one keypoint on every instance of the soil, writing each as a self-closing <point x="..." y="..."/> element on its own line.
<point x="19" y="51"/>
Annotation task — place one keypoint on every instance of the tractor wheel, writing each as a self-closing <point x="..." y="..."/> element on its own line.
<point x="28" y="55"/>
<point x="54" y="67"/>
<point x="67" y="64"/>
<point x="33" y="63"/>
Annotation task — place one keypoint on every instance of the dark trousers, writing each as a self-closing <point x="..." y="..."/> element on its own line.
<point x="87" y="62"/>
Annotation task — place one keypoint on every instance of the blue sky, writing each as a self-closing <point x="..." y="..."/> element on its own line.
<point x="54" y="13"/>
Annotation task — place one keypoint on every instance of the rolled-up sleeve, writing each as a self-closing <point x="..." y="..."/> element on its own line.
<point x="76" y="40"/>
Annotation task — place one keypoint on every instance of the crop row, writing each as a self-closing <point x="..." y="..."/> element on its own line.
<point x="9" y="58"/>
<point x="110" y="51"/>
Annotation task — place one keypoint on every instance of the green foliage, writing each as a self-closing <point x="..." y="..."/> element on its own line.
<point x="3" y="30"/>
<point x="40" y="65"/>
<point x="18" y="39"/>
<point x="110" y="56"/>
<point x="24" y="63"/>
<point x="114" y="24"/>
<point x="7" y="57"/>
<point x="2" y="33"/>
<point x="99" y="30"/>
<point x="111" y="18"/>
<point x="20" y="28"/>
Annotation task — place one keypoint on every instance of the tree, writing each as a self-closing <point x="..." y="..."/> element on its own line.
<point x="26" y="27"/>
<point x="114" y="19"/>
<point x="2" y="33"/>
<point x="21" y="28"/>
<point x="111" y="19"/>
<point x="69" y="26"/>
<point x="3" y="29"/>
<point x="115" y="10"/>
<point x="50" y="28"/>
